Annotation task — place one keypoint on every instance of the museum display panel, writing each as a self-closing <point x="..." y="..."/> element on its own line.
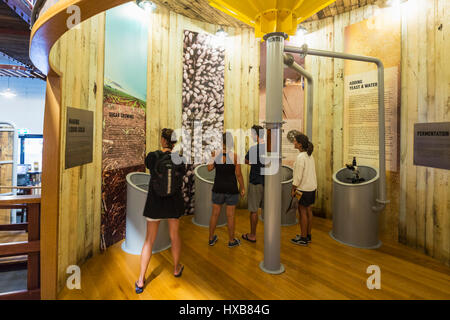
<point x="136" y="72"/>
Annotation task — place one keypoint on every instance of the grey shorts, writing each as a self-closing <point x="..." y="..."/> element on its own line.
<point x="255" y="197"/>
<point x="228" y="199"/>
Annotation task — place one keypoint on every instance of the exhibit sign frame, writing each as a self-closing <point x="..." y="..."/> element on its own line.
<point x="380" y="37"/>
<point x="79" y="137"/>
<point x="432" y="145"/>
<point x="124" y="113"/>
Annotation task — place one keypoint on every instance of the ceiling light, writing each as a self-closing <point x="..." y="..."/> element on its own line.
<point x="299" y="37"/>
<point x="146" y="5"/>
<point x="8" y="93"/>
<point x="221" y="33"/>
<point x="390" y="3"/>
<point x="301" y="30"/>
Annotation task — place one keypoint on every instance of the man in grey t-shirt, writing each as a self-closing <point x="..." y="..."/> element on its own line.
<point x="256" y="181"/>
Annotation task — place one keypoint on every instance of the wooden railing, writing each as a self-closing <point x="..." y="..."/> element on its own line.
<point x="31" y="248"/>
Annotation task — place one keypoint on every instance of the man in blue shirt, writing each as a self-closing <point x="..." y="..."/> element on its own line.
<point x="256" y="181"/>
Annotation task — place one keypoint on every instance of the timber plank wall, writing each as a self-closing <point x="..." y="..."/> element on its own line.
<point x="419" y="212"/>
<point x="79" y="57"/>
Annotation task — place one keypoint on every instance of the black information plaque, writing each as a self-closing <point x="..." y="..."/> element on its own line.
<point x="432" y="145"/>
<point x="79" y="137"/>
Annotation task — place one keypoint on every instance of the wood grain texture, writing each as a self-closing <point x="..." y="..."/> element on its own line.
<point x="324" y="270"/>
<point x="424" y="206"/>
<point x="78" y="57"/>
<point x="418" y="214"/>
<point x="165" y="76"/>
<point x="201" y="11"/>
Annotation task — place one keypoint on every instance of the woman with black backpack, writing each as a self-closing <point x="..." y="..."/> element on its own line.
<point x="164" y="202"/>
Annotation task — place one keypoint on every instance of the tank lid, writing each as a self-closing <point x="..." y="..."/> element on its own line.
<point x="375" y="176"/>
<point x="132" y="183"/>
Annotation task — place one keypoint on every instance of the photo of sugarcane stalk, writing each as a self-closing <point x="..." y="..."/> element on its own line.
<point x="203" y="101"/>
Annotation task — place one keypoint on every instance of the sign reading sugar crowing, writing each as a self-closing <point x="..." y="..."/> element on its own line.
<point x="124" y="113"/>
<point x="432" y="145"/>
<point x="79" y="137"/>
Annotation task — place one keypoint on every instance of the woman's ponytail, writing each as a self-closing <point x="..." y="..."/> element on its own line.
<point x="310" y="148"/>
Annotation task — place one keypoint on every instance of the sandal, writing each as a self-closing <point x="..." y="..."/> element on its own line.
<point x="179" y="273"/>
<point x="138" y="289"/>
<point x="234" y="243"/>
<point x="245" y="237"/>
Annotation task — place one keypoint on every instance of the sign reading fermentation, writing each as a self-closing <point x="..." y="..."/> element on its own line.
<point x="432" y="145"/>
<point x="79" y="137"/>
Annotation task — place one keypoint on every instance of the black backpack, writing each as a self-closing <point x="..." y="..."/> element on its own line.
<point x="167" y="177"/>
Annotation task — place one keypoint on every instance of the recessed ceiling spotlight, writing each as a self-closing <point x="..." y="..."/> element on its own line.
<point x="299" y="37"/>
<point x="221" y="33"/>
<point x="390" y="3"/>
<point x="146" y="5"/>
<point x="8" y="93"/>
<point x="301" y="29"/>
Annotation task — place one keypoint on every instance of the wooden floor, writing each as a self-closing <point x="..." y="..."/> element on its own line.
<point x="324" y="270"/>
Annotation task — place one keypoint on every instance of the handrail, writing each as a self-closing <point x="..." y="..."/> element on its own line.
<point x="21" y="188"/>
<point x="25" y="199"/>
<point x="31" y="248"/>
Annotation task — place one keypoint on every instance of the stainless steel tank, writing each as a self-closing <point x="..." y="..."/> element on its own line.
<point x="136" y="226"/>
<point x="204" y="181"/>
<point x="288" y="209"/>
<point x="355" y="223"/>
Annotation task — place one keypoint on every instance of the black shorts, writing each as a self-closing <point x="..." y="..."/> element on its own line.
<point x="308" y="198"/>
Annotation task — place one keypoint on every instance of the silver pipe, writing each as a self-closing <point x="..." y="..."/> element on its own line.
<point x="304" y="50"/>
<point x="290" y="62"/>
<point x="272" y="171"/>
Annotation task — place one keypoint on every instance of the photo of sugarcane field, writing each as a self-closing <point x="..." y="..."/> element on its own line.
<point x="116" y="96"/>
<point x="124" y="113"/>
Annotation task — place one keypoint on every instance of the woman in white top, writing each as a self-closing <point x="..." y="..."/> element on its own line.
<point x="304" y="181"/>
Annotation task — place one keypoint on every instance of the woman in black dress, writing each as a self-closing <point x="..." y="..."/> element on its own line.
<point x="159" y="208"/>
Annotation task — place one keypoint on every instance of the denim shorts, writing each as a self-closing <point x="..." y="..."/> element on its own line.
<point x="228" y="199"/>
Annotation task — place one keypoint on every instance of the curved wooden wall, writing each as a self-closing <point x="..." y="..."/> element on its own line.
<point x="52" y="24"/>
<point x="75" y="69"/>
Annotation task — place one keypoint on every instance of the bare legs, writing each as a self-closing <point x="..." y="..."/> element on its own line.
<point x="310" y="217"/>
<point x="146" y="254"/>
<point x="213" y="221"/>
<point x="305" y="220"/>
<point x="230" y="220"/>
<point x="176" y="243"/>
<point x="253" y="224"/>
<point x="215" y="216"/>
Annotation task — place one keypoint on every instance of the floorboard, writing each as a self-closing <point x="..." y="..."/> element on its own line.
<point x="324" y="270"/>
